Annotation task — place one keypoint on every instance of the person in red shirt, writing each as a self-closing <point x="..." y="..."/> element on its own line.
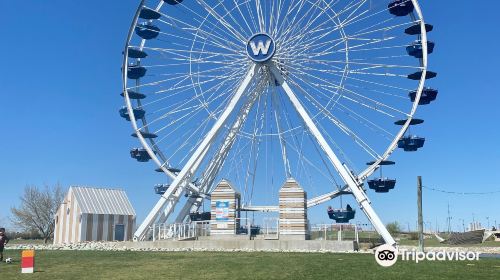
<point x="3" y="241"/>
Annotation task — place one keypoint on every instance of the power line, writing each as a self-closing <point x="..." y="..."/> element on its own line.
<point x="460" y="193"/>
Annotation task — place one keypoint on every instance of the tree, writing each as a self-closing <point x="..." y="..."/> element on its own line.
<point x="393" y="227"/>
<point x="37" y="210"/>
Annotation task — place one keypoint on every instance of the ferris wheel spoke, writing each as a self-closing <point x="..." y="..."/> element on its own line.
<point x="249" y="9"/>
<point x="244" y="17"/>
<point x="221" y="19"/>
<point x="354" y="13"/>
<point x="198" y="108"/>
<point x="197" y="52"/>
<point x="213" y="37"/>
<point x="376" y="13"/>
<point x="307" y="14"/>
<point x="340" y="125"/>
<point x="213" y="26"/>
<point x="291" y="24"/>
<point x="375" y="28"/>
<point x="353" y="114"/>
<point x="180" y="88"/>
<point x="369" y="82"/>
<point x="323" y="83"/>
<point x="187" y="101"/>
<point x="329" y="100"/>
<point x="331" y="19"/>
<point x="229" y="13"/>
<point x="213" y="42"/>
<point x="283" y="144"/>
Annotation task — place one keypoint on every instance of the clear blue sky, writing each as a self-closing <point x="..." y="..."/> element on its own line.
<point x="60" y="84"/>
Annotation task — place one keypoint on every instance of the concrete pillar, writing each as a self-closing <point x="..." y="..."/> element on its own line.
<point x="225" y="205"/>
<point x="293" y="224"/>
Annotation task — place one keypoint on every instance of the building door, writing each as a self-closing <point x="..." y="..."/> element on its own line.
<point x="119" y="232"/>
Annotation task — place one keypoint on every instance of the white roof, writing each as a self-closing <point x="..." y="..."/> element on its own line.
<point x="102" y="201"/>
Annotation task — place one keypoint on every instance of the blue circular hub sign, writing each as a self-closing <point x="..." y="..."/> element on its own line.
<point x="260" y="47"/>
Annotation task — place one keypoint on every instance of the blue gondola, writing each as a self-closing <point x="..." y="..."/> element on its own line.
<point x="415" y="29"/>
<point x="382" y="185"/>
<point x="161" y="188"/>
<point x="171" y="169"/>
<point x="147" y="135"/>
<point x="412" y="122"/>
<point x="384" y="162"/>
<point x="418" y="75"/>
<point x="173" y="2"/>
<point x="135" y="72"/>
<point x="149" y="14"/>
<point x="138" y="113"/>
<point x="134" y="95"/>
<point x="147" y="31"/>
<point x="428" y="95"/>
<point x="136" y="53"/>
<point x="203" y="216"/>
<point x="411" y="143"/>
<point x="341" y="215"/>
<point x="415" y="49"/>
<point x="400" y="8"/>
<point x="140" y="154"/>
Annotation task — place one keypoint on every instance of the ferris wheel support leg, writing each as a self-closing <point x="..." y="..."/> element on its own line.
<point x="192" y="205"/>
<point x="358" y="193"/>
<point x="200" y="152"/>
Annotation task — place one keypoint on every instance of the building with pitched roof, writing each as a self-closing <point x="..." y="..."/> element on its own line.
<point x="94" y="214"/>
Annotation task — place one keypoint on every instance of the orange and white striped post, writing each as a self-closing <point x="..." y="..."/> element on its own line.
<point x="28" y="261"/>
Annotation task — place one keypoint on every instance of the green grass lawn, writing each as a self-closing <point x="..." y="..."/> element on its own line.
<point x="433" y="242"/>
<point x="213" y="265"/>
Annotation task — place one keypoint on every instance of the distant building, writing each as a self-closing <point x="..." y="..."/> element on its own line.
<point x="475" y="226"/>
<point x="94" y="214"/>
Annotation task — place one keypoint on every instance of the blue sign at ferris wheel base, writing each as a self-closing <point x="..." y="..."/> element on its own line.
<point x="222" y="210"/>
<point x="260" y="47"/>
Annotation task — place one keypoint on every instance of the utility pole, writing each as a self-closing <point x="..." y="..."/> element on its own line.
<point x="463" y="224"/>
<point x="420" y="217"/>
<point x="449" y="219"/>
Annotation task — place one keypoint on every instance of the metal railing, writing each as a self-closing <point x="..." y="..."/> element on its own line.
<point x="179" y="231"/>
<point x="339" y="232"/>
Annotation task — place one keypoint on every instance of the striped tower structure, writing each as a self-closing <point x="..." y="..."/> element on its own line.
<point x="225" y="205"/>
<point x="293" y="224"/>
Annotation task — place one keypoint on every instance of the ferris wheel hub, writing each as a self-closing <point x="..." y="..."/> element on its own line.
<point x="260" y="47"/>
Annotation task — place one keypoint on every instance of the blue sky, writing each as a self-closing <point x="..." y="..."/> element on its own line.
<point x="60" y="84"/>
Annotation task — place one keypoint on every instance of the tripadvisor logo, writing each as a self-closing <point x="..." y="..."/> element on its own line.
<point x="386" y="255"/>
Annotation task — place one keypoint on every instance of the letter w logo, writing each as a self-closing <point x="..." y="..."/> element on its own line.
<point x="260" y="47"/>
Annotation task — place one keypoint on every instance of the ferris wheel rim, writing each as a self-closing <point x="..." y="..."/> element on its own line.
<point x="156" y="153"/>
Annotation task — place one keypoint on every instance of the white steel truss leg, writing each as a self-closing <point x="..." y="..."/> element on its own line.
<point x="354" y="186"/>
<point x="188" y="170"/>
<point x="217" y="162"/>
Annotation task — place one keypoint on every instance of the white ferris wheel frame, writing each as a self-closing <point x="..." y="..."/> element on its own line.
<point x="165" y="206"/>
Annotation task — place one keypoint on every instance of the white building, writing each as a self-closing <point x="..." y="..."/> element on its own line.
<point x="94" y="214"/>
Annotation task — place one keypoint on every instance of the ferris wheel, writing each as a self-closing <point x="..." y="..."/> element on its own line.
<point x="256" y="92"/>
